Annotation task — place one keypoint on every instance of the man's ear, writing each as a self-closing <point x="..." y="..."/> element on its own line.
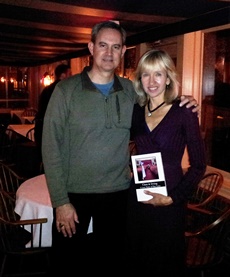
<point x="90" y="46"/>
<point x="123" y="51"/>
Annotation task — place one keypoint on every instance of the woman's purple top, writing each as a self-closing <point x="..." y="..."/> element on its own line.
<point x="178" y="129"/>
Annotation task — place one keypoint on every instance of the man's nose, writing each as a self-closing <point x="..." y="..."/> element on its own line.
<point x="110" y="50"/>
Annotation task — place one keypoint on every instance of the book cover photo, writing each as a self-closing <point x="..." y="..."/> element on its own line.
<point x="148" y="174"/>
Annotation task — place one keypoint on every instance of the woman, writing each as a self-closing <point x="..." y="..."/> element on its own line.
<point x="155" y="241"/>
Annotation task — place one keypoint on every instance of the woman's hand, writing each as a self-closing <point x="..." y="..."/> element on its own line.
<point x="158" y="199"/>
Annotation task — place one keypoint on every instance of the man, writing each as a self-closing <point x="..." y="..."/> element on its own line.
<point x="86" y="159"/>
<point x="61" y="72"/>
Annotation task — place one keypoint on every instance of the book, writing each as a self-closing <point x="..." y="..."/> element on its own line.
<point x="149" y="175"/>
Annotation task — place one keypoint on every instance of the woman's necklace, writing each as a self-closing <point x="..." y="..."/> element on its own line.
<point x="151" y="111"/>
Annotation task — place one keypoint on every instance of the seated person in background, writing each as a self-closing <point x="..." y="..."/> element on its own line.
<point x="61" y="72"/>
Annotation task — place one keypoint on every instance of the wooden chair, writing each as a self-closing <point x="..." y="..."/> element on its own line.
<point x="206" y="192"/>
<point x="28" y="115"/>
<point x="29" y="112"/>
<point x="30" y="134"/>
<point x="20" y="255"/>
<point x="205" y="243"/>
<point x="9" y="179"/>
<point x="28" y="158"/>
<point x="8" y="141"/>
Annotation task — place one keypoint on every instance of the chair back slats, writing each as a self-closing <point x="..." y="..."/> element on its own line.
<point x="207" y="189"/>
<point x="30" y="134"/>
<point x="29" y="112"/>
<point x="8" y="140"/>
<point x="9" y="180"/>
<point x="17" y="239"/>
<point x="7" y="205"/>
<point x="206" y="235"/>
<point x="205" y="246"/>
<point x="8" y="232"/>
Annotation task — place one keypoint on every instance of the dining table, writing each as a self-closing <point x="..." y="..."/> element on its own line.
<point x="23" y="119"/>
<point x="21" y="129"/>
<point x="17" y="113"/>
<point x="33" y="201"/>
<point x="28" y="118"/>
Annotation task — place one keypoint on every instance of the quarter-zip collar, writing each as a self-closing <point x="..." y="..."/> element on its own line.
<point x="88" y="84"/>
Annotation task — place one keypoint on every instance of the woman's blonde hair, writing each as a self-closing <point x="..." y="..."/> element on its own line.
<point x="148" y="61"/>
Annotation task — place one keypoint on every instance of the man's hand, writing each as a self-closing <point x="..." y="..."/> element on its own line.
<point x="66" y="219"/>
<point x="190" y="102"/>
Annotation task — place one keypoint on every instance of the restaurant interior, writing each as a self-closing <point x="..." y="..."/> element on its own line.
<point x="36" y="36"/>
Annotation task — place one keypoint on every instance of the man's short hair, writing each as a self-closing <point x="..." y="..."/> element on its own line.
<point x="108" y="25"/>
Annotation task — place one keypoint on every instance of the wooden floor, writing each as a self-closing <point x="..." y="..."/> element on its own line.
<point x="223" y="270"/>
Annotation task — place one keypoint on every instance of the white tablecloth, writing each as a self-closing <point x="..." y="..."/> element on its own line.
<point x="21" y="129"/>
<point x="33" y="201"/>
